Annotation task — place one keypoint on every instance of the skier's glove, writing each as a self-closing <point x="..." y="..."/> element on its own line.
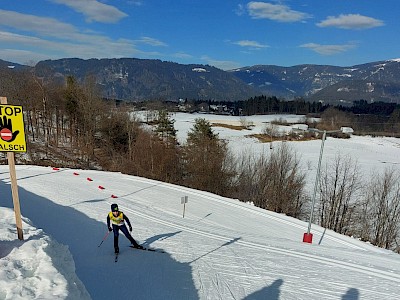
<point x="130" y="228"/>
<point x="109" y="229"/>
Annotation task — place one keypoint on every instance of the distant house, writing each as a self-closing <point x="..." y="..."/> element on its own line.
<point x="220" y="109"/>
<point x="182" y="108"/>
<point x="203" y="107"/>
<point x="299" y="127"/>
<point x="347" y="130"/>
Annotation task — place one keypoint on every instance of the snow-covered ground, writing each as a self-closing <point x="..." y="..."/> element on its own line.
<point x="373" y="154"/>
<point x="221" y="249"/>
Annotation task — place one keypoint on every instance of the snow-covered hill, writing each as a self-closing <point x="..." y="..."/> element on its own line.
<point x="221" y="249"/>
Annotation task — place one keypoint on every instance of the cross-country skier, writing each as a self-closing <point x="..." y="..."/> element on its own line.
<point x="118" y="219"/>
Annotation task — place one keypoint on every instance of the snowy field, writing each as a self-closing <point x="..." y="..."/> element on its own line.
<point x="221" y="249"/>
<point x="373" y="154"/>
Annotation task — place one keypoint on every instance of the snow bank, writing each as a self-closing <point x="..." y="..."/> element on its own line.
<point x="36" y="268"/>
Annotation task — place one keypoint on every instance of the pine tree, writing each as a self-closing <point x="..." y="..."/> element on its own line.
<point x="206" y="159"/>
<point x="165" y="126"/>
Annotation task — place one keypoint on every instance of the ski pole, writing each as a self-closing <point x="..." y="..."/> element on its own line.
<point x="104" y="238"/>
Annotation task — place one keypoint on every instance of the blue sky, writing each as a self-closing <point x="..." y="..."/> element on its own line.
<point x="224" y="33"/>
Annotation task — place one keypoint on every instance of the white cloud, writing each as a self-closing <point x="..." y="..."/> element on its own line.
<point x="151" y="41"/>
<point x="275" y="12"/>
<point x="25" y="57"/>
<point x="240" y="10"/>
<point x="250" y="44"/>
<point x="99" y="47"/>
<point x="40" y="25"/>
<point x="94" y="10"/>
<point x="182" y="55"/>
<point x="328" y="49"/>
<point x="133" y="2"/>
<point x="30" y="41"/>
<point x="41" y="37"/>
<point x="49" y="28"/>
<point x="221" y="64"/>
<point x="351" y="21"/>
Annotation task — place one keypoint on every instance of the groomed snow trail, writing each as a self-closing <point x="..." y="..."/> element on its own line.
<point x="221" y="249"/>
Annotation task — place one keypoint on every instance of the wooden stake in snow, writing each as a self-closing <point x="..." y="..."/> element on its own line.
<point x="184" y="200"/>
<point x="14" y="186"/>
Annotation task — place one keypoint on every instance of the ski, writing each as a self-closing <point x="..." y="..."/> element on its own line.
<point x="148" y="249"/>
<point x="116" y="257"/>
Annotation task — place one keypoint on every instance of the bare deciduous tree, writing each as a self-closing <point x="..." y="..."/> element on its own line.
<point x="332" y="119"/>
<point x="284" y="182"/>
<point x="272" y="182"/>
<point x="244" y="186"/>
<point x="338" y="190"/>
<point x="382" y="210"/>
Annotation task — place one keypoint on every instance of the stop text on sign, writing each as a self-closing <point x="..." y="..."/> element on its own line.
<point x="10" y="111"/>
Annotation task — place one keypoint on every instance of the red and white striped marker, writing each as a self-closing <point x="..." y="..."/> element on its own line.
<point x="5" y="134"/>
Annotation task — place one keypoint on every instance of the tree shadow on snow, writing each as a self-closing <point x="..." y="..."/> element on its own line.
<point x="211" y="251"/>
<point x="159" y="237"/>
<point x="142" y="189"/>
<point x="136" y="275"/>
<point x="351" y="294"/>
<point x="271" y="292"/>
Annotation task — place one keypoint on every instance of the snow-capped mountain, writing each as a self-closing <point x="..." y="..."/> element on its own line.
<point x="134" y="79"/>
<point x="375" y="81"/>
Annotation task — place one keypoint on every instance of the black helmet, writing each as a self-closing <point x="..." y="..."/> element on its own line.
<point x="114" y="207"/>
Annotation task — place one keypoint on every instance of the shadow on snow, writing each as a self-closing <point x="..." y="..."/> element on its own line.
<point x="136" y="275"/>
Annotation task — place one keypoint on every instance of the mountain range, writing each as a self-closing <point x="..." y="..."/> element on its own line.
<point x="133" y="79"/>
<point x="375" y="81"/>
<point x="147" y="79"/>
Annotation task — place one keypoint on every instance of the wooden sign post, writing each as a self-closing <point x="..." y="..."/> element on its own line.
<point x="184" y="200"/>
<point x="7" y="113"/>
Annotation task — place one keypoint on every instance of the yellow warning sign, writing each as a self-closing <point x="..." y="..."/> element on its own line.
<point x="12" y="133"/>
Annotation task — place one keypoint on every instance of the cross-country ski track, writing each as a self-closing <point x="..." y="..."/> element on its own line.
<point x="221" y="249"/>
